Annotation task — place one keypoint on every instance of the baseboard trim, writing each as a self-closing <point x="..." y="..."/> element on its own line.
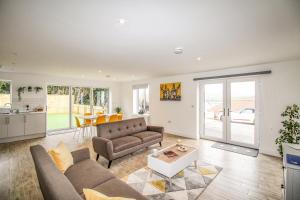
<point x="269" y="152"/>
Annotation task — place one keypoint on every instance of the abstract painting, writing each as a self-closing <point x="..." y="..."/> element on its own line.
<point x="170" y="91"/>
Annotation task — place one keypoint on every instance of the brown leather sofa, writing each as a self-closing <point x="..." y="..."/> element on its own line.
<point x="85" y="173"/>
<point x="117" y="139"/>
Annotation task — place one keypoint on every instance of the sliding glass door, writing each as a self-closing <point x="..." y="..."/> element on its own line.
<point x="100" y="100"/>
<point x="58" y="107"/>
<point x="229" y="111"/>
<point x="66" y="102"/>
<point x="81" y="102"/>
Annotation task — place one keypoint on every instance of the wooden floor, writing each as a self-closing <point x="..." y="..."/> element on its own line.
<point x="242" y="177"/>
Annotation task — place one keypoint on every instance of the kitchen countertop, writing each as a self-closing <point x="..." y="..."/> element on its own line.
<point x="21" y="113"/>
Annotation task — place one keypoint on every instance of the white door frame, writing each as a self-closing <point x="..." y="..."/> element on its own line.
<point x="226" y="104"/>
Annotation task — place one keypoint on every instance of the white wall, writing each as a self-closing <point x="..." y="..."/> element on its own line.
<point x="277" y="90"/>
<point x="20" y="79"/>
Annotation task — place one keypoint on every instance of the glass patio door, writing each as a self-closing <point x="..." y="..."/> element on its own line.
<point x="213" y="105"/>
<point x="58" y="107"/>
<point x="241" y="107"/>
<point x="228" y="111"/>
<point x="81" y="102"/>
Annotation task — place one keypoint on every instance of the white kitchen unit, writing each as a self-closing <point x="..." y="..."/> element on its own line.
<point x="3" y="126"/>
<point x="35" y="123"/>
<point x="22" y="126"/>
<point x="15" y="125"/>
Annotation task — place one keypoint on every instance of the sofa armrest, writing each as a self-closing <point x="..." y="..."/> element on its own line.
<point x="158" y="129"/>
<point x="103" y="146"/>
<point x="80" y="155"/>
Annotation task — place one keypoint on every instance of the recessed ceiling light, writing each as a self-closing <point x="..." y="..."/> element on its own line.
<point x="178" y="50"/>
<point x="122" y="21"/>
<point x="99" y="70"/>
<point x="199" y="58"/>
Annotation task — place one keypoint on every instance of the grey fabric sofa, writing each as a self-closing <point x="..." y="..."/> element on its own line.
<point x="85" y="173"/>
<point x="117" y="139"/>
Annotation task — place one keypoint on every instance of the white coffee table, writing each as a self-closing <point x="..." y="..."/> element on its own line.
<point x="169" y="167"/>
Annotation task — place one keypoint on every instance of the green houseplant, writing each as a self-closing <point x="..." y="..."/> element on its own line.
<point x="290" y="133"/>
<point x="118" y="110"/>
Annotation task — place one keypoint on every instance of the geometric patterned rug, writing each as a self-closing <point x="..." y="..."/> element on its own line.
<point x="186" y="185"/>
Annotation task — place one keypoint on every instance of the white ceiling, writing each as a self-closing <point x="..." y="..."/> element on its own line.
<point x="76" y="38"/>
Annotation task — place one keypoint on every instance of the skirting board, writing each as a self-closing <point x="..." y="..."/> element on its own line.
<point x="269" y="152"/>
<point x="23" y="137"/>
<point x="179" y="134"/>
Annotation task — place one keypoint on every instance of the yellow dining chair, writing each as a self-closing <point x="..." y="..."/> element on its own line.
<point x="100" y="120"/>
<point x="87" y="121"/>
<point x="113" y="118"/>
<point x="120" y="116"/>
<point x="79" y="127"/>
<point x="100" y="113"/>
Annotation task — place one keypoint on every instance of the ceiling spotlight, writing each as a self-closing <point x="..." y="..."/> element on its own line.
<point x="122" y="21"/>
<point x="99" y="70"/>
<point x="178" y="50"/>
<point x="199" y="58"/>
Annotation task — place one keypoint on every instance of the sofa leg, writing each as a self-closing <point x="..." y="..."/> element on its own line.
<point x="109" y="163"/>
<point x="97" y="157"/>
<point x="159" y="143"/>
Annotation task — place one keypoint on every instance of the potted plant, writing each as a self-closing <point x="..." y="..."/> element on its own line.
<point x="29" y="89"/>
<point x="38" y="89"/>
<point x="290" y="133"/>
<point x="20" y="90"/>
<point x="118" y="110"/>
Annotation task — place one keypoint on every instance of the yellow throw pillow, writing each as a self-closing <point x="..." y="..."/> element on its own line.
<point x="95" y="195"/>
<point x="61" y="156"/>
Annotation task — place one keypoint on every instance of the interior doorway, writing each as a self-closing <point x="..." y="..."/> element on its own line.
<point x="229" y="111"/>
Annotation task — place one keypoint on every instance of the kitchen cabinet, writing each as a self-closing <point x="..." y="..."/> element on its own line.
<point x="16" y="125"/>
<point x="35" y="123"/>
<point x="22" y="126"/>
<point x="3" y="126"/>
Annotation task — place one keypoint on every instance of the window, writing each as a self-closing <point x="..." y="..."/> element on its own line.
<point x="5" y="93"/>
<point x="140" y="99"/>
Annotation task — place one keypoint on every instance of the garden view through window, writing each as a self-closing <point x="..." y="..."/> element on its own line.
<point x="65" y="102"/>
<point x="5" y="96"/>
<point x="140" y="99"/>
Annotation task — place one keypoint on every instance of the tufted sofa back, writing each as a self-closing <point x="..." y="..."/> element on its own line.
<point x="121" y="128"/>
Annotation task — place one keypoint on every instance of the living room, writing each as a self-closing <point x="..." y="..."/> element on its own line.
<point x="149" y="100"/>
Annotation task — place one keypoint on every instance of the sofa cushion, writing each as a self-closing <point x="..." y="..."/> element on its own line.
<point x="126" y="142"/>
<point x="87" y="174"/>
<point x="147" y="136"/>
<point x="117" y="188"/>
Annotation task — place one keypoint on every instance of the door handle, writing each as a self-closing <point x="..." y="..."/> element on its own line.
<point x="228" y="112"/>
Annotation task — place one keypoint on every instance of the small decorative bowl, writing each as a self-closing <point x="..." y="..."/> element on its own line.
<point x="182" y="148"/>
